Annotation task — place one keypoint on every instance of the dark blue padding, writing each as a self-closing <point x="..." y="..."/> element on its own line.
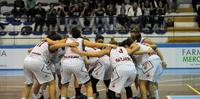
<point x="46" y="32"/>
<point x="28" y="23"/>
<point x="37" y="33"/>
<point x="26" y="32"/>
<point x="3" y="33"/>
<point x="100" y="32"/>
<point x="111" y="32"/>
<point x="87" y="33"/>
<point x="160" y="31"/>
<point x="13" y="33"/>
<point x="16" y="23"/>
<point x="63" y="32"/>
<point x="147" y="31"/>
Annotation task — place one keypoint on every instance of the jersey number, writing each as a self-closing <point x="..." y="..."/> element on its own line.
<point x="40" y="44"/>
<point x="120" y="50"/>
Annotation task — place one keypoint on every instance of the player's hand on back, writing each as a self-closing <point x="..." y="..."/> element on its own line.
<point x="112" y="46"/>
<point x="75" y="49"/>
<point x="74" y="44"/>
<point x="164" y="64"/>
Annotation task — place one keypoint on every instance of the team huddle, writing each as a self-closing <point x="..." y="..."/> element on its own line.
<point x="135" y="60"/>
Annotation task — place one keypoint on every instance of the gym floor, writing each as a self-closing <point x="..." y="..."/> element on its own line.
<point x="173" y="85"/>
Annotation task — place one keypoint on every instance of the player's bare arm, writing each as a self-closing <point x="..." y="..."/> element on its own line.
<point x="30" y="49"/>
<point x="60" y="45"/>
<point x="134" y="47"/>
<point x="92" y="54"/>
<point x="149" y="51"/>
<point x="154" y="46"/>
<point x="54" y="42"/>
<point x="97" y="45"/>
<point x="150" y="43"/>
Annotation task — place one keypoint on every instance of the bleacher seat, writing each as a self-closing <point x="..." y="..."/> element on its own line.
<point x="6" y="14"/>
<point x="10" y="5"/>
<point x="16" y="23"/>
<point x="37" y="33"/>
<point x="99" y="32"/>
<point x="46" y="32"/>
<point x="160" y="31"/>
<point x="147" y="31"/>
<point x="28" y="23"/>
<point x="111" y="32"/>
<point x="86" y="32"/>
<point x="123" y="32"/>
<point x="44" y="4"/>
<point x="13" y="33"/>
<point x="63" y="32"/>
<point x="2" y="33"/>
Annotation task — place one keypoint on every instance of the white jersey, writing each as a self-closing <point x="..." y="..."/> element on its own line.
<point x="120" y="56"/>
<point x="56" y="56"/>
<point x="142" y="58"/>
<point x="69" y="53"/>
<point x="42" y="50"/>
<point x="92" y="60"/>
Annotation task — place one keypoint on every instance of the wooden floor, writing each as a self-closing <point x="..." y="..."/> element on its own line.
<point x="11" y="86"/>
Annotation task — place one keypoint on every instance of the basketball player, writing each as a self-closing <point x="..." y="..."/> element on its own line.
<point x="73" y="63"/>
<point x="99" y="67"/>
<point x="124" y="71"/>
<point x="135" y="34"/>
<point x="35" y="65"/>
<point x="148" y="69"/>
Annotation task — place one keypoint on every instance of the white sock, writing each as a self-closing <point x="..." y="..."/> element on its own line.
<point x="138" y="92"/>
<point x="156" y="94"/>
<point x="63" y="98"/>
<point x="23" y="98"/>
<point x="34" y="96"/>
<point x="90" y="98"/>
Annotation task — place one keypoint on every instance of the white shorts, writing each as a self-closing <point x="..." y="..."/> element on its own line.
<point x="151" y="70"/>
<point x="76" y="67"/>
<point x="34" y="66"/>
<point x="102" y="71"/>
<point x="122" y="78"/>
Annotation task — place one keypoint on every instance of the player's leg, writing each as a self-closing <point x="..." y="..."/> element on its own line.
<point x="52" y="89"/>
<point x="143" y="90"/>
<point x="137" y="87"/>
<point x="129" y="93"/>
<point x="36" y="88"/>
<point x="151" y="90"/>
<point x="26" y="91"/>
<point x="28" y="78"/>
<point x="94" y="82"/>
<point x="82" y="77"/>
<point x="65" y="79"/>
<point x="77" y="87"/>
<point x="64" y="89"/>
<point x="88" y="86"/>
<point x="156" y="90"/>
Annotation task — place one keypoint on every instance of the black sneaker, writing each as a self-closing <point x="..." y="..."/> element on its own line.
<point x="81" y="96"/>
<point x="42" y="97"/>
<point x="136" y="97"/>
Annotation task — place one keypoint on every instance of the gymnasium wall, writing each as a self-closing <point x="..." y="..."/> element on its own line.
<point x="176" y="55"/>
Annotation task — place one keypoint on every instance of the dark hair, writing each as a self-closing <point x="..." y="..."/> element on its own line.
<point x="54" y="36"/>
<point x="75" y="32"/>
<point x="99" y="36"/>
<point x="127" y="42"/>
<point x="138" y="37"/>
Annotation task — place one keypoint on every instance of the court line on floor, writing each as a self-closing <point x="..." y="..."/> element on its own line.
<point x="73" y="97"/>
<point x="193" y="89"/>
<point x="168" y="97"/>
<point x="100" y="85"/>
